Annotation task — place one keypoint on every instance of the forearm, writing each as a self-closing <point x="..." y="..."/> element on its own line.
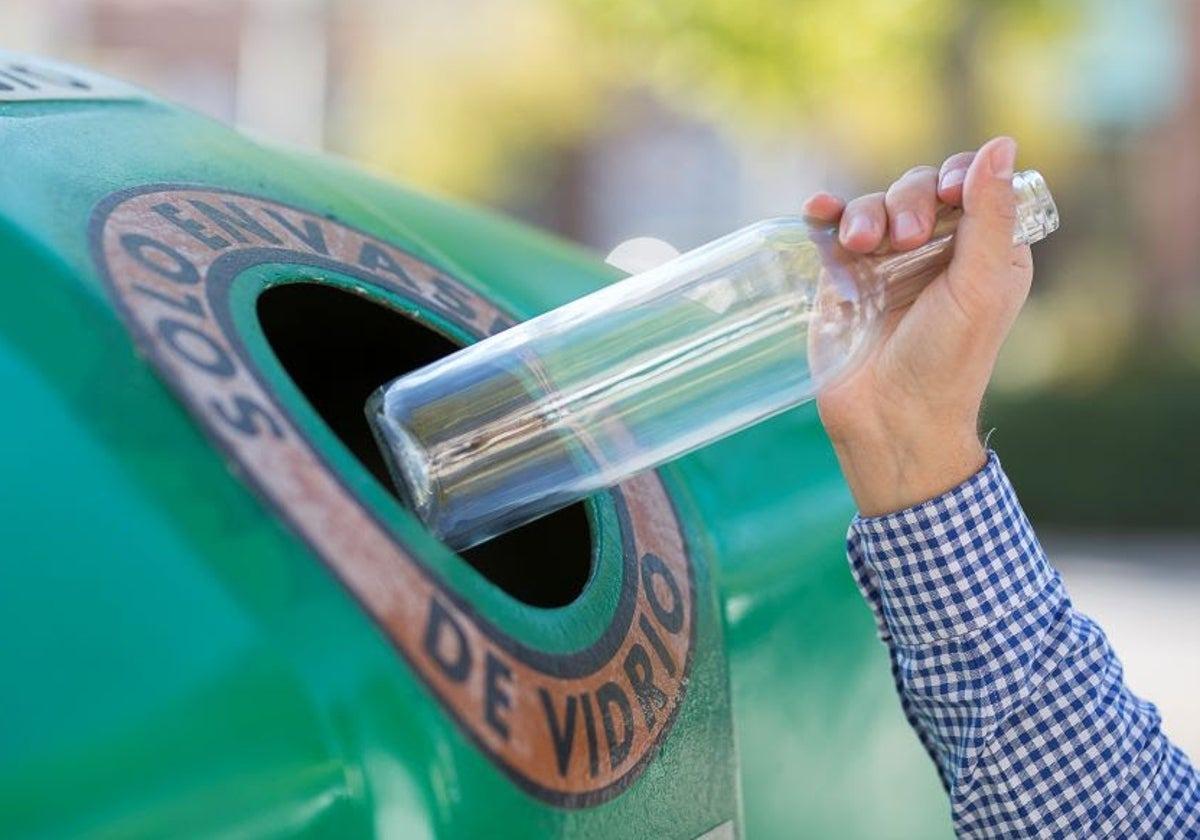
<point x="1019" y="699"/>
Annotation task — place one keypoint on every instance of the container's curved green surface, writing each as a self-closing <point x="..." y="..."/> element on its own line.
<point x="178" y="658"/>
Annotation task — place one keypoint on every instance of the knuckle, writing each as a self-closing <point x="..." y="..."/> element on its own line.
<point x="1021" y="264"/>
<point x="871" y="203"/>
<point x="993" y="199"/>
<point x="957" y="160"/>
<point x="897" y="196"/>
<point x="919" y="171"/>
<point x="913" y="193"/>
<point x="1003" y="204"/>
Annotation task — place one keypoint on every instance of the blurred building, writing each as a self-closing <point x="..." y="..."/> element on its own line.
<point x="601" y="126"/>
<point x="262" y="64"/>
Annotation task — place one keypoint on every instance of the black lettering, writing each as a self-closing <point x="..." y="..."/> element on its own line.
<point x="12" y="77"/>
<point x="191" y="227"/>
<point x="499" y="325"/>
<point x="449" y="296"/>
<point x="189" y="303"/>
<point x="672" y="619"/>
<point x="244" y="419"/>
<point x="589" y="728"/>
<point x="49" y="76"/>
<point x="641" y="677"/>
<point x="563" y="737"/>
<point x="608" y="695"/>
<point x="664" y="655"/>
<point x="374" y="258"/>
<point x="496" y="696"/>
<point x="179" y="271"/>
<point x="313" y="235"/>
<point x="458" y="666"/>
<point x="236" y="225"/>
<point x="199" y="350"/>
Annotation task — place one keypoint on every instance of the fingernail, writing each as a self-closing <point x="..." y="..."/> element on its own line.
<point x="907" y="226"/>
<point x="859" y="226"/>
<point x="1003" y="156"/>
<point x="952" y="179"/>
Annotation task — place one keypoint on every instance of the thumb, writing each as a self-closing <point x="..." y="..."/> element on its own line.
<point x="990" y="275"/>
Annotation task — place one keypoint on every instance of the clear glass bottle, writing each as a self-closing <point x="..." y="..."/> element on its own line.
<point x="648" y="369"/>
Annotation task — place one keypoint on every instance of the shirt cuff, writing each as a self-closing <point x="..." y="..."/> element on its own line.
<point x="952" y="565"/>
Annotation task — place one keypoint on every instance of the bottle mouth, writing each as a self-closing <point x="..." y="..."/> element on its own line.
<point x="406" y="460"/>
<point x="1037" y="215"/>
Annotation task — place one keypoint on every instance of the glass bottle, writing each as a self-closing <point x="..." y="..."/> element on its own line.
<point x="649" y="368"/>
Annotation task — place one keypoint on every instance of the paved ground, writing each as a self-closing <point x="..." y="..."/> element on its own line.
<point x="1145" y="593"/>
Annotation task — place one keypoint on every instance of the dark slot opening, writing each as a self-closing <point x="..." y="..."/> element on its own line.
<point x="338" y="347"/>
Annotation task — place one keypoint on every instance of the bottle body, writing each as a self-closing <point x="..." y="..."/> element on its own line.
<point x="636" y="374"/>
<point x="621" y="380"/>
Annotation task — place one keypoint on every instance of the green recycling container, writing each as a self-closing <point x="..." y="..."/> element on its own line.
<point x="216" y="619"/>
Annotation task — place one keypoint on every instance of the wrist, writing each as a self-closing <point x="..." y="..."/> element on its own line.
<point x="890" y="473"/>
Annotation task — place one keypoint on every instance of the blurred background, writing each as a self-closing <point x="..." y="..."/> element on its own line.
<point x="684" y="119"/>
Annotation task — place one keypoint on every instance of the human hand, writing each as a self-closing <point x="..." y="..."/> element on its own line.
<point x="905" y="423"/>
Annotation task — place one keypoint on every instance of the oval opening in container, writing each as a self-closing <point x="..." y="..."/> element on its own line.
<point x="338" y="347"/>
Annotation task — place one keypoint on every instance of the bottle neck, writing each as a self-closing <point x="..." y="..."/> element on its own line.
<point x="901" y="275"/>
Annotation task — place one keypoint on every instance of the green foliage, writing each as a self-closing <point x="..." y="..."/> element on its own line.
<point x="778" y="56"/>
<point x="1117" y="457"/>
<point x="882" y="80"/>
<point x="885" y="82"/>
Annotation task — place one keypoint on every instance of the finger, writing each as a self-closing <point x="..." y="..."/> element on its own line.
<point x="911" y="205"/>
<point x="864" y="223"/>
<point x="951" y="177"/>
<point x="988" y="273"/>
<point x="823" y="207"/>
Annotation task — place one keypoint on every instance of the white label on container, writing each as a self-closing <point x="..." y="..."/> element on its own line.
<point x="30" y="79"/>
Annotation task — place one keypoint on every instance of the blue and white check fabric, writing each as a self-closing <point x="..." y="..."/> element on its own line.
<point x="1018" y="698"/>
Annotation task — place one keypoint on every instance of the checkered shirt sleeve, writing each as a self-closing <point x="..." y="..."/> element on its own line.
<point x="1018" y="698"/>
